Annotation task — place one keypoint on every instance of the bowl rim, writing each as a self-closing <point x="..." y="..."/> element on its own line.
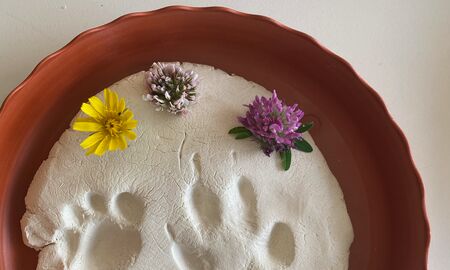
<point x="5" y="104"/>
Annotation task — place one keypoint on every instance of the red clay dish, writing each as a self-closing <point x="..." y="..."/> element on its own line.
<point x="364" y="148"/>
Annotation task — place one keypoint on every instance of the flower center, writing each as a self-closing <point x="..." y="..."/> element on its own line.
<point x="113" y="126"/>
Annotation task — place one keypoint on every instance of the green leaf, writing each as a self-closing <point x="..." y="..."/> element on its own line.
<point x="243" y="135"/>
<point x="305" y="127"/>
<point x="303" y="145"/>
<point x="237" y="130"/>
<point x="240" y="132"/>
<point x="286" y="156"/>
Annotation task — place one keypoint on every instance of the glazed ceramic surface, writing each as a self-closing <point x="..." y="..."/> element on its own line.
<point x="364" y="148"/>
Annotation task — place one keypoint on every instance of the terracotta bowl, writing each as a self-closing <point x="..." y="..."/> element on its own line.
<point x="364" y="148"/>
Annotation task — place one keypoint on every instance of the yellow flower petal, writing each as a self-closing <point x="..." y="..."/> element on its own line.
<point x="98" y="105"/>
<point x="126" y="115"/>
<point x="107" y="96"/>
<point x="103" y="146"/>
<point x="130" y="124"/>
<point x="92" y="149"/>
<point x="86" y="119"/>
<point x="92" y="140"/>
<point x="121" y="105"/>
<point x="122" y="143"/>
<point x="129" y="134"/>
<point x="87" y="126"/>
<point x="114" y="101"/>
<point x="89" y="110"/>
<point x="114" y="143"/>
<point x="111" y="99"/>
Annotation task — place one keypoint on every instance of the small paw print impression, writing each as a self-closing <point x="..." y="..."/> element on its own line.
<point x="100" y="235"/>
<point x="214" y="216"/>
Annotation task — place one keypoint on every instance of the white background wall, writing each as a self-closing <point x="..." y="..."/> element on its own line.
<point x="401" y="47"/>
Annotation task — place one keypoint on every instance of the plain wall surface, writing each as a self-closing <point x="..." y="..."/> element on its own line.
<point x="401" y="48"/>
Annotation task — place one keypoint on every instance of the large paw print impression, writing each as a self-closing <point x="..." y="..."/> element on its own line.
<point x="231" y="216"/>
<point x="98" y="234"/>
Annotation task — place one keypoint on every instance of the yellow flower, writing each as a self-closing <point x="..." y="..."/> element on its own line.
<point x="110" y="123"/>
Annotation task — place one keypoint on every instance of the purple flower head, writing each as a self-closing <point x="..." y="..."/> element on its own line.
<point x="170" y="87"/>
<point x="273" y="123"/>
